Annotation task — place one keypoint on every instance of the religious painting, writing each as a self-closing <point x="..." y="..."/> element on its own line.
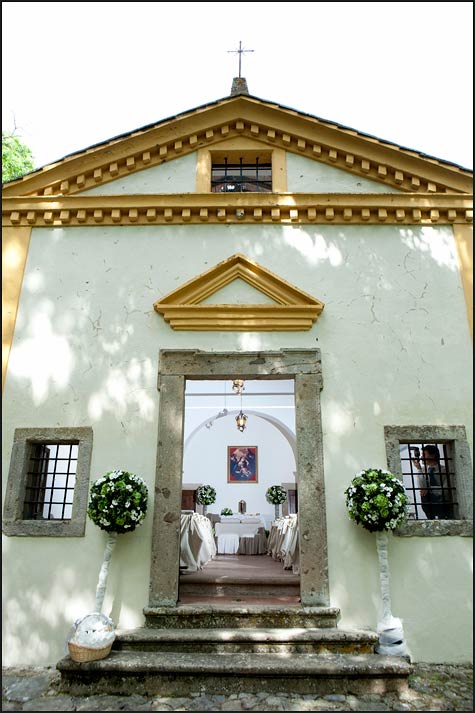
<point x="242" y="464"/>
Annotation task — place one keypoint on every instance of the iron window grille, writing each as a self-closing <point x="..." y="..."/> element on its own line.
<point x="50" y="481"/>
<point x="416" y="481"/>
<point x="241" y="177"/>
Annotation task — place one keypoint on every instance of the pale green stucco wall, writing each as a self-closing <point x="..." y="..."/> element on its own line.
<point x="395" y="350"/>
<point x="179" y="176"/>
<point x="307" y="176"/>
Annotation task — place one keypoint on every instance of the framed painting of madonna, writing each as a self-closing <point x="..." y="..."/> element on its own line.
<point x="242" y="464"/>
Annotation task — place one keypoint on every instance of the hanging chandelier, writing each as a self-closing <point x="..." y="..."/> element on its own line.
<point x="241" y="418"/>
<point x="238" y="386"/>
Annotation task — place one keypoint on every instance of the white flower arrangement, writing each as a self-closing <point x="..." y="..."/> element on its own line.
<point x="118" y="501"/>
<point x="276" y="495"/>
<point x="377" y="500"/>
<point x="206" y="495"/>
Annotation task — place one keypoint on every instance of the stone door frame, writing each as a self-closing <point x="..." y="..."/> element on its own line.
<point x="178" y="366"/>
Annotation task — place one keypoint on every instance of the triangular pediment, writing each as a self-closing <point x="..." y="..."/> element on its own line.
<point x="245" y="117"/>
<point x="290" y="309"/>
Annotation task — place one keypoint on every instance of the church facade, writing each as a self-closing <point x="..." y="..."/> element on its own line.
<point x="238" y="239"/>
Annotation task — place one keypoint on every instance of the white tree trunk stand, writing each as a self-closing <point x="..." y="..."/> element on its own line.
<point x="102" y="581"/>
<point x="391" y="634"/>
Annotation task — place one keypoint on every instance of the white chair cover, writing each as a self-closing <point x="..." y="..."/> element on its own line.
<point x="283" y="542"/>
<point x="253" y="544"/>
<point x="197" y="545"/>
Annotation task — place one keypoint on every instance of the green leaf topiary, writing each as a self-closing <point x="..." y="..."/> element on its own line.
<point x="118" y="501"/>
<point x="376" y="499"/>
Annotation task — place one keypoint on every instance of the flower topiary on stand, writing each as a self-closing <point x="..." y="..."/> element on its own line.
<point x="205" y="495"/>
<point x="118" y="504"/>
<point x="376" y="499"/>
<point x="276" y="495"/>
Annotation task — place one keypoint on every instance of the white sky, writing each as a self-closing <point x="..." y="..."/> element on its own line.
<point x="78" y="73"/>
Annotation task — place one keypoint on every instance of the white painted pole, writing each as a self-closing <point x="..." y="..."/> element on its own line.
<point x="391" y="634"/>
<point x="102" y="581"/>
<point x="382" y="547"/>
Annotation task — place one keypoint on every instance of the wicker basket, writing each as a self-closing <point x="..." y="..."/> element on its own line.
<point x="82" y="654"/>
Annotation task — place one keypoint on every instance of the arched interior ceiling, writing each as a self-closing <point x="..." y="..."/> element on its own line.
<point x="284" y="430"/>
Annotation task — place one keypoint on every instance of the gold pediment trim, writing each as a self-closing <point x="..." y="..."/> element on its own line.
<point x="243" y="208"/>
<point x="294" y="310"/>
<point x="249" y="118"/>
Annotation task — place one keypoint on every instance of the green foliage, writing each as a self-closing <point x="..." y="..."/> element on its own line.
<point x="118" y="501"/>
<point x="376" y="499"/>
<point x="226" y="511"/>
<point x="17" y="158"/>
<point x="206" y="495"/>
<point x="276" y="495"/>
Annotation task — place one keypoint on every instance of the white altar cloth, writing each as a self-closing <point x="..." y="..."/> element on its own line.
<point x="228" y="543"/>
<point x="238" y="528"/>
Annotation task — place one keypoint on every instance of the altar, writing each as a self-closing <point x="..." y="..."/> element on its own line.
<point x="241" y="535"/>
<point x="240" y="526"/>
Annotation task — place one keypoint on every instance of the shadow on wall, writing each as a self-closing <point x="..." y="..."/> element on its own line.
<point x="86" y="347"/>
<point x="49" y="591"/>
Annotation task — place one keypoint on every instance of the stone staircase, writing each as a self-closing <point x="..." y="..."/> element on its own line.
<point x="206" y="585"/>
<point x="225" y="648"/>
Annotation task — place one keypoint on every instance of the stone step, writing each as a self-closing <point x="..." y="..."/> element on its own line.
<point x="212" y="586"/>
<point x="270" y="640"/>
<point x="171" y="673"/>
<point x="211" y="616"/>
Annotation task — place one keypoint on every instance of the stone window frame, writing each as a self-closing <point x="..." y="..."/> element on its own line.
<point x="176" y="367"/>
<point x="457" y="436"/>
<point x="13" y="523"/>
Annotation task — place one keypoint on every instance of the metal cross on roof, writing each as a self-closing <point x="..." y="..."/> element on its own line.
<point x="240" y="52"/>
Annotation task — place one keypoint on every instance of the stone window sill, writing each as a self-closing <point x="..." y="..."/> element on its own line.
<point x="436" y="528"/>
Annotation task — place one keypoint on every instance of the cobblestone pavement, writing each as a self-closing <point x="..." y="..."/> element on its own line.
<point x="432" y="687"/>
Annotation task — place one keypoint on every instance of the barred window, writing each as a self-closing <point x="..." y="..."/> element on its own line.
<point x="48" y="482"/>
<point x="434" y="463"/>
<point x="429" y="481"/>
<point x="241" y="177"/>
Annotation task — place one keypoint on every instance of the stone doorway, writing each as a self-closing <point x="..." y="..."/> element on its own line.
<point x="177" y="366"/>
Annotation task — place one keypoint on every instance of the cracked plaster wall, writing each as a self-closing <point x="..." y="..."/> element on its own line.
<point x="395" y="350"/>
<point x="178" y="176"/>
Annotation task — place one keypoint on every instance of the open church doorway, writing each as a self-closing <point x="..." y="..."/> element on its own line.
<point x="239" y="440"/>
<point x="177" y="368"/>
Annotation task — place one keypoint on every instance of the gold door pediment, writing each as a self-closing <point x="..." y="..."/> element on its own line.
<point x="291" y="309"/>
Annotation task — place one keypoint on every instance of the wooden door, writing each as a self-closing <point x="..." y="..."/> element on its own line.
<point x="293" y="503"/>
<point x="188" y="500"/>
